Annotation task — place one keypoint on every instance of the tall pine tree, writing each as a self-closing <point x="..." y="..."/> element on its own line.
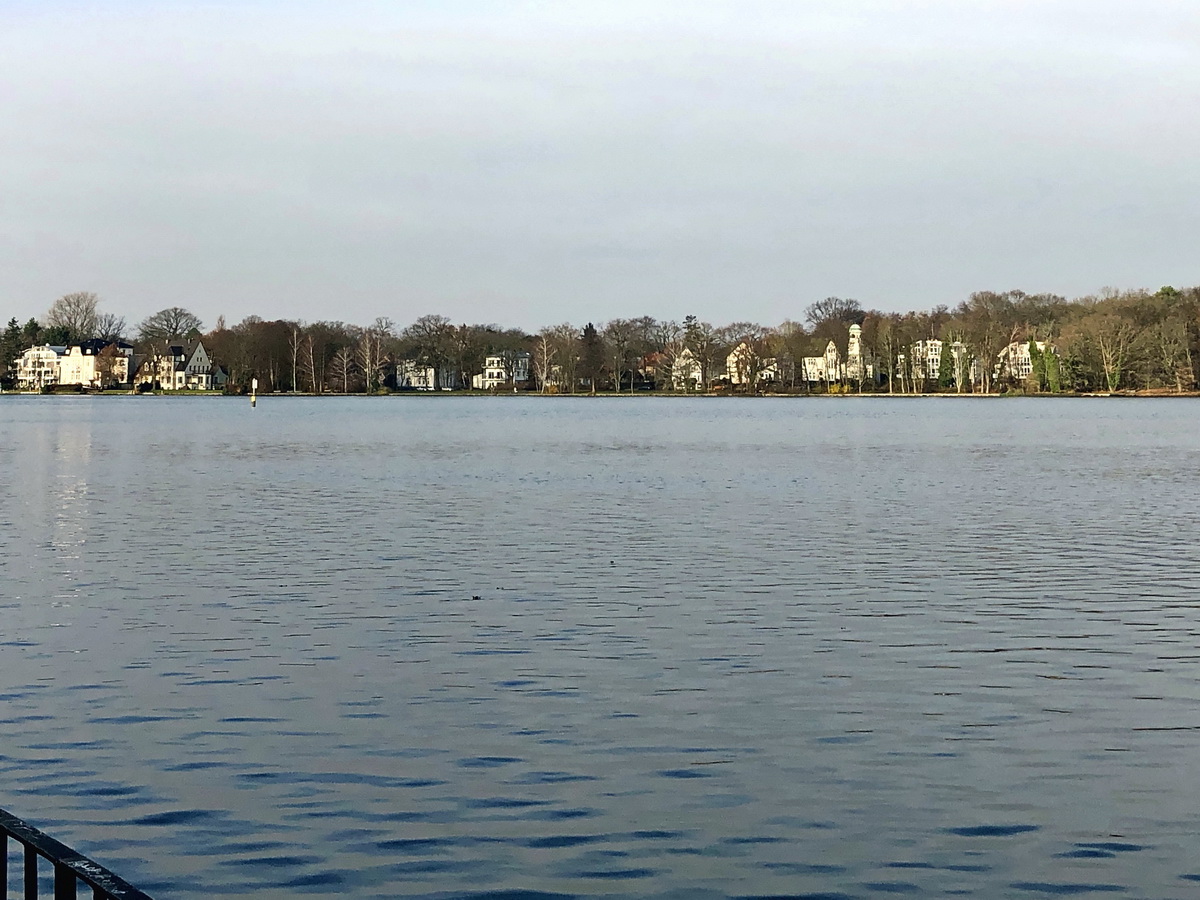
<point x="11" y="347"/>
<point x="591" y="359"/>
<point x="946" y="367"/>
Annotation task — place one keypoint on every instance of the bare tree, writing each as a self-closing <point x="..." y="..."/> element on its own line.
<point x="887" y="343"/>
<point x="747" y="360"/>
<point x="673" y="359"/>
<point x="310" y="360"/>
<point x="544" y="354"/>
<point x="370" y="354"/>
<point x="565" y="340"/>
<point x="468" y="347"/>
<point x="171" y="324"/>
<point x="1174" y="357"/>
<point x="843" y="312"/>
<point x="990" y="323"/>
<point x="961" y="357"/>
<point x="109" y="327"/>
<point x="707" y="345"/>
<point x="75" y="313"/>
<point x="372" y="348"/>
<point x="620" y="333"/>
<point x="109" y="365"/>
<point x="295" y="342"/>
<point x="668" y="344"/>
<point x="153" y="354"/>
<point x="343" y="365"/>
<point x="432" y="339"/>
<point x="1112" y="336"/>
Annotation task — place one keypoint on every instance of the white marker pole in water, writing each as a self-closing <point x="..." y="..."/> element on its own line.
<point x="253" y="392"/>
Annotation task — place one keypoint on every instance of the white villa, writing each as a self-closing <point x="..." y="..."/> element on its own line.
<point x="927" y="358"/>
<point x="414" y="376"/>
<point x="92" y="364"/>
<point x="505" y="369"/>
<point x="857" y="366"/>
<point x="38" y="367"/>
<point x="1015" y="362"/>
<point x="411" y="375"/>
<point x="96" y="364"/>
<point x="827" y="368"/>
<point x="743" y="365"/>
<point x="686" y="372"/>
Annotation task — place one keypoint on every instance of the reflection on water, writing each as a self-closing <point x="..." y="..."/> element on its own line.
<point x="645" y="648"/>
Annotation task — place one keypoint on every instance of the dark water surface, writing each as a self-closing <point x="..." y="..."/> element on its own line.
<point x="523" y="648"/>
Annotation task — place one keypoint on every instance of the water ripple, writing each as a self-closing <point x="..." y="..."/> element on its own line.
<point x="530" y="650"/>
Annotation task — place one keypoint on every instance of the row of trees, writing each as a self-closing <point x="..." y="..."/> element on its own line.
<point x="1111" y="341"/>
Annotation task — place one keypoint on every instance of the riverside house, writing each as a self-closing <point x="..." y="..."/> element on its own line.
<point x="96" y="364"/>
<point x="37" y="367"/>
<point x="412" y="375"/>
<point x="686" y="372"/>
<point x="508" y="368"/>
<point x="93" y="364"/>
<point x="1015" y="361"/>
<point x="177" y="366"/>
<point x="744" y="366"/>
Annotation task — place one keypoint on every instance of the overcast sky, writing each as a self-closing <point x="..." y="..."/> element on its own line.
<point x="536" y="162"/>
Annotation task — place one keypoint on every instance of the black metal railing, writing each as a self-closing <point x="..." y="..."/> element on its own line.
<point x="70" y="868"/>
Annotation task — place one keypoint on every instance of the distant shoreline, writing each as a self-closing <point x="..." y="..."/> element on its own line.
<point x="608" y="395"/>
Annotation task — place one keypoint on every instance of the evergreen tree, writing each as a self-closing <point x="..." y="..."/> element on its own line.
<point x="591" y="361"/>
<point x="11" y="347"/>
<point x="1037" y="377"/>
<point x="946" y="367"/>
<point x="12" y="340"/>
<point x="1073" y="373"/>
<point x="31" y="334"/>
<point x="1053" y="372"/>
<point x="57" y="336"/>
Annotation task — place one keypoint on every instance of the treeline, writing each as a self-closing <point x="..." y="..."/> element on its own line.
<point x="1116" y="340"/>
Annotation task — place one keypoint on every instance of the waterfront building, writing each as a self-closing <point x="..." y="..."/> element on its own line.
<point x="927" y="362"/>
<point x="1015" y="362"/>
<point x="507" y="368"/>
<point x="927" y="359"/>
<point x="686" y="372"/>
<point x="412" y="375"/>
<point x="176" y="366"/>
<point x="823" y="369"/>
<point x="96" y="364"/>
<point x="743" y="365"/>
<point x="859" y="365"/>
<point x="38" y="367"/>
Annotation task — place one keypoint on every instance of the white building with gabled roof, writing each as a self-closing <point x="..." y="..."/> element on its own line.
<point x="176" y="366"/>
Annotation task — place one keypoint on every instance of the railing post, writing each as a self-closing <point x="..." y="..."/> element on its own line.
<point x="64" y="883"/>
<point x="31" y="884"/>
<point x="70" y="867"/>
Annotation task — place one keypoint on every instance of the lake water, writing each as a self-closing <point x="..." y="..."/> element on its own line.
<point x="641" y="647"/>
